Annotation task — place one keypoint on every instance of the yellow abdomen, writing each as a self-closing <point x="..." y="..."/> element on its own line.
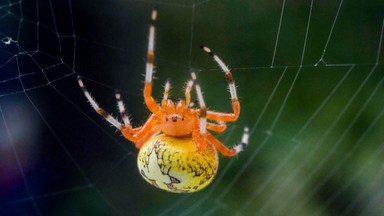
<point x="174" y="164"/>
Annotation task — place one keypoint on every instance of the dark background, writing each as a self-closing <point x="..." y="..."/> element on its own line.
<point x="316" y="144"/>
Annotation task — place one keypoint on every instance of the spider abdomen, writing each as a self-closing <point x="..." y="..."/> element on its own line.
<point x="174" y="164"/>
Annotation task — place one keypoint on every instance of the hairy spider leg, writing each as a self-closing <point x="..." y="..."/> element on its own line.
<point x="151" y="127"/>
<point x="124" y="115"/>
<point x="149" y="101"/>
<point x="220" y="116"/>
<point x="201" y="125"/>
<point x="147" y="135"/>
<point x="96" y="107"/>
<point x="225" y="150"/>
<point x="140" y="134"/>
<point x="167" y="87"/>
<point x="188" y="90"/>
<point x="219" y="127"/>
<point x="122" y="111"/>
<point x="132" y="134"/>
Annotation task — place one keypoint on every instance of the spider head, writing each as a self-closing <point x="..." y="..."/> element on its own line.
<point x="177" y="120"/>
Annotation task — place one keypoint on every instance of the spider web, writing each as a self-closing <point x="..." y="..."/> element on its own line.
<point x="310" y="80"/>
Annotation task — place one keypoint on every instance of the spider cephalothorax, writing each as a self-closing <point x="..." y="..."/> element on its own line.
<point x="178" y="152"/>
<point x="178" y="118"/>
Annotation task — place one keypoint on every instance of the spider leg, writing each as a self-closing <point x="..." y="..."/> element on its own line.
<point x="147" y="136"/>
<point x="121" y="107"/>
<point x="199" y="134"/>
<point x="167" y="87"/>
<point x="188" y="90"/>
<point x="125" y="128"/>
<point x="151" y="127"/>
<point x="137" y="129"/>
<point x="220" y="116"/>
<point x="225" y="150"/>
<point x="96" y="107"/>
<point x="149" y="101"/>
<point x="219" y="127"/>
<point x="203" y="124"/>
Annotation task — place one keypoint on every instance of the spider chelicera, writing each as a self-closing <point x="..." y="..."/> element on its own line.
<point x="177" y="153"/>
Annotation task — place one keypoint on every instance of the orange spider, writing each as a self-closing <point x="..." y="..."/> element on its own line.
<point x="184" y="159"/>
<point x="176" y="118"/>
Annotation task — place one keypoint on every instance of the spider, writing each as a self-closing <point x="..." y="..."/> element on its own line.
<point x="177" y="153"/>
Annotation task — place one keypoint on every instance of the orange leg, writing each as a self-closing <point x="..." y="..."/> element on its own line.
<point x="220" y="146"/>
<point x="220" y="127"/>
<point x="137" y="129"/>
<point x="147" y="136"/>
<point x="200" y="121"/>
<point x="149" y="101"/>
<point x="226" y="151"/>
<point x="125" y="128"/>
<point x="219" y="116"/>
<point x="199" y="137"/>
<point x="136" y="134"/>
<point x="226" y="117"/>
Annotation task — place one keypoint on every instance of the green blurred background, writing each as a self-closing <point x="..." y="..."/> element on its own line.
<point x="316" y="144"/>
